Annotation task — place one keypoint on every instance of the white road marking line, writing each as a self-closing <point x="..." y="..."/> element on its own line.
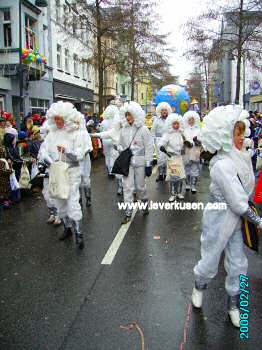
<point x="115" y="245"/>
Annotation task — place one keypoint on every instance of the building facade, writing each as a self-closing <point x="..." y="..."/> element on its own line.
<point x="24" y="87"/>
<point x="73" y="75"/>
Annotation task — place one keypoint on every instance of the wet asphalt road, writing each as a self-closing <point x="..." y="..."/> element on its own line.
<point x="56" y="297"/>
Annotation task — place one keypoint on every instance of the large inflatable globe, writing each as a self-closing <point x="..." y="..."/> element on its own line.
<point x="176" y="96"/>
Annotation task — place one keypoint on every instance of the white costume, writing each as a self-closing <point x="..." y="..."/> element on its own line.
<point x="85" y="165"/>
<point x="192" y="154"/>
<point x="74" y="141"/>
<point x="54" y="218"/>
<point x="108" y="147"/>
<point x="222" y="228"/>
<point x="157" y="130"/>
<point x="172" y="143"/>
<point x="112" y="135"/>
<point x="141" y="142"/>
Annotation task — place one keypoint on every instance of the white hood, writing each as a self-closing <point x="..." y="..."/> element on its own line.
<point x="68" y="112"/>
<point x="136" y="111"/>
<point x="217" y="132"/>
<point x="161" y="106"/>
<point x="173" y="117"/>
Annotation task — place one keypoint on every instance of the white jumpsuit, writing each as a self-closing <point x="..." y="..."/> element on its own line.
<point x="157" y="132"/>
<point x="75" y="149"/>
<point x="173" y="143"/>
<point x="108" y="147"/>
<point x="222" y="228"/>
<point x="192" y="155"/>
<point x="142" y="149"/>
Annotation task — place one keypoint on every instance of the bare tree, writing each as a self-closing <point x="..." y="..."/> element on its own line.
<point x="144" y="49"/>
<point x="235" y="29"/>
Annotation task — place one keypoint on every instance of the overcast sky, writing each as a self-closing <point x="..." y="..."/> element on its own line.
<point x="174" y="14"/>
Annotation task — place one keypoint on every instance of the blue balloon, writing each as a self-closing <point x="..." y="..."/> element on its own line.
<point x="176" y="96"/>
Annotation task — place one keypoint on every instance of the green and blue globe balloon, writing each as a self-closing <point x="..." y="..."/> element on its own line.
<point x="177" y="96"/>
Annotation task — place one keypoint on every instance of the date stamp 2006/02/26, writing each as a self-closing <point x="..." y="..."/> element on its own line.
<point x="244" y="307"/>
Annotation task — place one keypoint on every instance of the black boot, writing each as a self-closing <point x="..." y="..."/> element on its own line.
<point x="78" y="234"/>
<point x="126" y="219"/>
<point x="67" y="229"/>
<point x="160" y="178"/>
<point x="146" y="210"/>
<point x="88" y="196"/>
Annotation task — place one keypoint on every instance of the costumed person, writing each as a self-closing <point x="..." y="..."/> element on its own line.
<point x="113" y="134"/>
<point x="43" y="171"/>
<point x="232" y="183"/>
<point x="85" y="164"/>
<point x="163" y="110"/>
<point x="171" y="144"/>
<point x="135" y="134"/>
<point x="106" y="125"/>
<point x="65" y="141"/>
<point x="192" y="149"/>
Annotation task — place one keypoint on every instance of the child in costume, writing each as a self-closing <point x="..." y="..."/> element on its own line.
<point x="172" y="145"/>
<point x="192" y="149"/>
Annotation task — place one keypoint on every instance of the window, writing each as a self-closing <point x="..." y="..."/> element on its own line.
<point x="7" y="29"/>
<point x="142" y="95"/>
<point x="58" y="11"/>
<point x="75" y="64"/>
<point x="38" y="105"/>
<point x="84" y="70"/>
<point x="74" y="24"/>
<point x="66" y="14"/>
<point x="2" y="103"/>
<point x="123" y="89"/>
<point x="30" y="32"/>
<point x="7" y="15"/>
<point x="67" y="60"/>
<point x="59" y="56"/>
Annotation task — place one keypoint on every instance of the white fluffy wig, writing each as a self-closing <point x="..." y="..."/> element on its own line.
<point x="217" y="132"/>
<point x="191" y="114"/>
<point x="110" y="111"/>
<point x="65" y="110"/>
<point x="173" y="117"/>
<point x="136" y="111"/>
<point x="161" y="106"/>
<point x="44" y="130"/>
